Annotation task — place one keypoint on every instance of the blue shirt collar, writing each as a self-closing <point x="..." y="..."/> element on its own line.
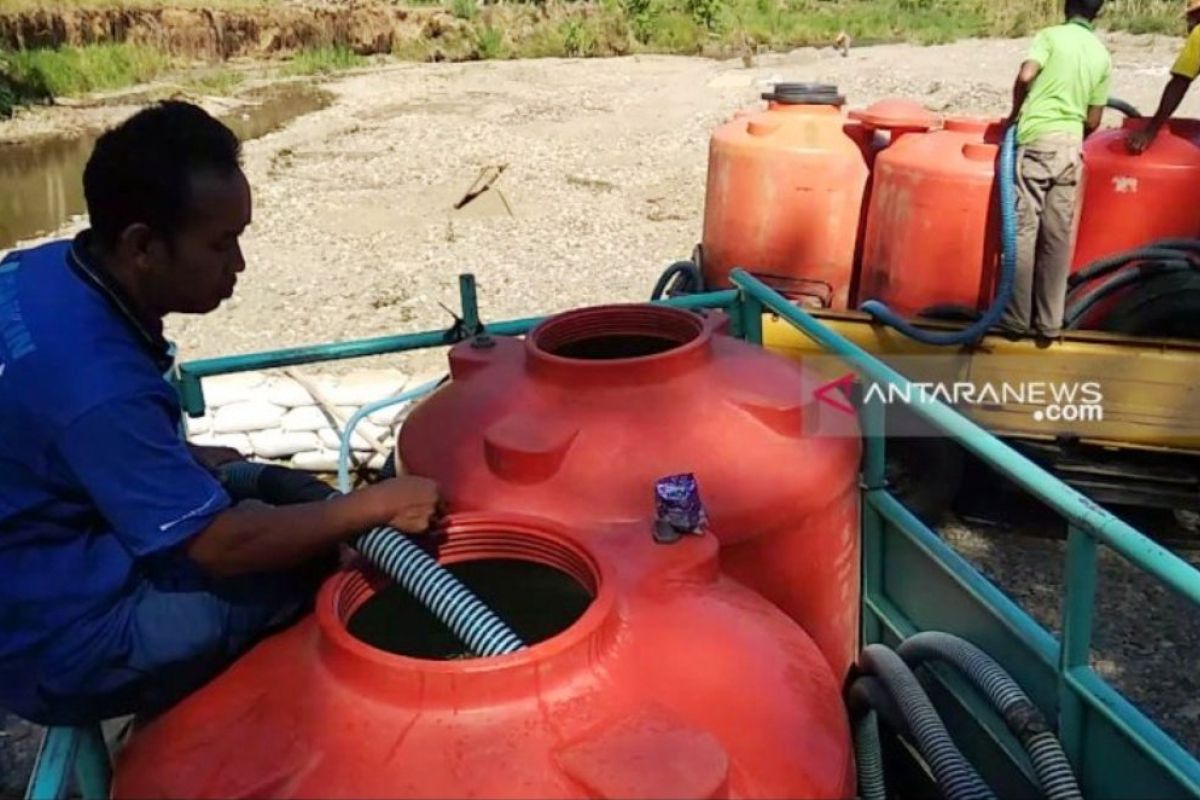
<point x="148" y="332"/>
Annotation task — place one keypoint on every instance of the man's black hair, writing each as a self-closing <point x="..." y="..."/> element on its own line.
<point x="141" y="170"/>
<point x="1088" y="9"/>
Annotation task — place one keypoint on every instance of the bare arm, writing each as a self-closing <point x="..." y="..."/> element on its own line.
<point x="253" y="537"/>
<point x="1092" y="123"/>
<point x="1172" y="96"/>
<point x="1025" y="78"/>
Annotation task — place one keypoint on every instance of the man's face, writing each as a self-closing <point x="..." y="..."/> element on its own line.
<point x="1193" y="19"/>
<point x="200" y="265"/>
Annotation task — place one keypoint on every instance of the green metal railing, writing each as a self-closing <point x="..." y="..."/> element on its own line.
<point x="467" y="326"/>
<point x="1093" y="717"/>
<point x="912" y="580"/>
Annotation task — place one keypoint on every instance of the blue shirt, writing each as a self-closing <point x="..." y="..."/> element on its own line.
<point x="97" y="489"/>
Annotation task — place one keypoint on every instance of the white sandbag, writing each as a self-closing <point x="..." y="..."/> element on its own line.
<point x="284" y="391"/>
<point x="316" y="461"/>
<point x="248" y="415"/>
<point x="305" y="418"/>
<point x="198" y="425"/>
<point x="279" y="444"/>
<point x="221" y="390"/>
<point x="332" y="439"/>
<point x="387" y="417"/>
<point x="359" y="388"/>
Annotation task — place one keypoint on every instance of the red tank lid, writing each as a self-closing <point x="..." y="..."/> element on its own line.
<point x="895" y="113"/>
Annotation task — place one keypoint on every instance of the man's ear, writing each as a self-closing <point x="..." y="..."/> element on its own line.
<point x="140" y="246"/>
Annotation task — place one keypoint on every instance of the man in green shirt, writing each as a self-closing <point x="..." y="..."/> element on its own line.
<point x="1185" y="70"/>
<point x="1058" y="98"/>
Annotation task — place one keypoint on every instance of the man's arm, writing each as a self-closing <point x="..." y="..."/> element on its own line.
<point x="1028" y="73"/>
<point x="126" y="454"/>
<point x="253" y="537"/>
<point x="1095" y="115"/>
<point x="1172" y="96"/>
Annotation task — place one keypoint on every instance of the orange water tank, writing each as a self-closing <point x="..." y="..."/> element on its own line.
<point x="578" y="421"/>
<point x="933" y="225"/>
<point x="1129" y="201"/>
<point x="663" y="679"/>
<point x="784" y="195"/>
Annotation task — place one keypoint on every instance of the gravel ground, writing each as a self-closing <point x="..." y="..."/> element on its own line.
<point x="1146" y="640"/>
<point x="355" y="235"/>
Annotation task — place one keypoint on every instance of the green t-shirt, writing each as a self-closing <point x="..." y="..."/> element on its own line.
<point x="1076" y="72"/>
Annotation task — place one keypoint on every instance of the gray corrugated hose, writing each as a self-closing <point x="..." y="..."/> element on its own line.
<point x="1006" y="696"/>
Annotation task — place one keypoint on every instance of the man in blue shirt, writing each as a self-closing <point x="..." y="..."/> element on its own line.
<point x="127" y="577"/>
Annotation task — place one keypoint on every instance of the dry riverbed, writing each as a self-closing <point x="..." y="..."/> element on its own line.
<point x="601" y="185"/>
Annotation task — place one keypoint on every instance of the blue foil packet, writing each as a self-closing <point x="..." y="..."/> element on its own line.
<point x="677" y="504"/>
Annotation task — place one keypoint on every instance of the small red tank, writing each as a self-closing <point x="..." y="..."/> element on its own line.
<point x="1130" y="201"/>
<point x="578" y="421"/>
<point x="933" y="225"/>
<point x="784" y="194"/>
<point x="672" y="681"/>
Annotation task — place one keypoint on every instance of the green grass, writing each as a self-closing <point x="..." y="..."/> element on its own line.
<point x="731" y="27"/>
<point x="323" y="61"/>
<point x="543" y="28"/>
<point x="464" y="9"/>
<point x="17" y="6"/>
<point x="215" y="82"/>
<point x="64" y="72"/>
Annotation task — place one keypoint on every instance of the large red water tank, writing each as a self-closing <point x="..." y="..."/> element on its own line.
<point x="578" y="421"/>
<point x="933" y="224"/>
<point x="784" y="195"/>
<point x="664" y="679"/>
<point x="1129" y="201"/>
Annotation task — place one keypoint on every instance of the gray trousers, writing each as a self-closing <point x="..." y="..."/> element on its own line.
<point x="1048" y="171"/>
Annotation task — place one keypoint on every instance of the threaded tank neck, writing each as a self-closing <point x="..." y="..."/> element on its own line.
<point x="620" y="343"/>
<point x="463" y="680"/>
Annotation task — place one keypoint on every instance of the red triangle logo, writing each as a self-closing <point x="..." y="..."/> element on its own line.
<point x="834" y="393"/>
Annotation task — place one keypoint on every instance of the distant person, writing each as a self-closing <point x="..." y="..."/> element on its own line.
<point x="1058" y="99"/>
<point x="1183" y="72"/>
<point x="127" y="579"/>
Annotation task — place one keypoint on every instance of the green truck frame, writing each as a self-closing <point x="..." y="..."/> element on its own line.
<point x="912" y="581"/>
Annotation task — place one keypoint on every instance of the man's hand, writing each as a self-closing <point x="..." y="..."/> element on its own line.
<point x="1139" y="141"/>
<point x="412" y="504"/>
<point x="212" y="458"/>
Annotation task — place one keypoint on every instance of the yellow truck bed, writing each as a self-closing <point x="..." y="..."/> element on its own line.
<point x="1150" y="388"/>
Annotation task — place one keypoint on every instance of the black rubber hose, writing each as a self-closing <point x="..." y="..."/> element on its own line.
<point x="1166" y="304"/>
<point x="868" y="758"/>
<point x="868" y="694"/>
<point x="951" y="312"/>
<point x="1078" y="307"/>
<point x="867" y="701"/>
<point x="1097" y="269"/>
<point x="688" y="279"/>
<point x="1125" y="108"/>
<point x="1006" y="696"/>
<point x="955" y="776"/>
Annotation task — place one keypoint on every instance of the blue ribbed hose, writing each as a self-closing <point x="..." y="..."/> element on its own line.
<point x="484" y="633"/>
<point x="1006" y="175"/>
<point x="362" y="413"/>
<point x="1050" y="763"/>
<point x="955" y="776"/>
<point x="868" y="701"/>
<point x="393" y="553"/>
<point x="868" y="758"/>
